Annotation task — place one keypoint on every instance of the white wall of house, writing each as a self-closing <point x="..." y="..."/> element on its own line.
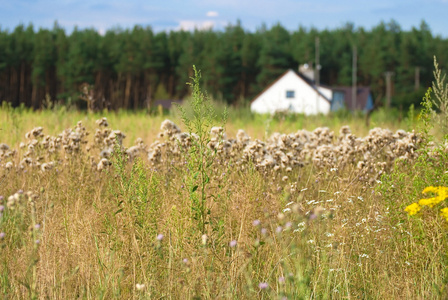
<point x="328" y="93"/>
<point x="306" y="99"/>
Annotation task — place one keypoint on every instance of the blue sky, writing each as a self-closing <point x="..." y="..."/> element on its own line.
<point x="188" y="14"/>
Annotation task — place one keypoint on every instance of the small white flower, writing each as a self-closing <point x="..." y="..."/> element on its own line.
<point x="337" y="270"/>
<point x="140" y="287"/>
<point x="378" y="218"/>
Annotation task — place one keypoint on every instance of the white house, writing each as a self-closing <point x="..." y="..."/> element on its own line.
<point x="295" y="93"/>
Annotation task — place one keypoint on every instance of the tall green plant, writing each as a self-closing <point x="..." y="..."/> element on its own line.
<point x="440" y="101"/>
<point x="199" y="157"/>
<point x="426" y="117"/>
<point x="135" y="191"/>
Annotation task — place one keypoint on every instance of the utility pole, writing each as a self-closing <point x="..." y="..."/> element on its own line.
<point x="317" y="69"/>
<point x="316" y="72"/>
<point x="388" y="75"/>
<point x="354" y="77"/>
<point x="417" y="78"/>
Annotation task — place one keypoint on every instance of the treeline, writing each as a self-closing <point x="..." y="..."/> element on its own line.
<point x="130" y="68"/>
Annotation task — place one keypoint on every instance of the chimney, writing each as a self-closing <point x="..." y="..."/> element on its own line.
<point x="307" y="71"/>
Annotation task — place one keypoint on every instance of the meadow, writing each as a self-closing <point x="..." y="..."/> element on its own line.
<point x="194" y="206"/>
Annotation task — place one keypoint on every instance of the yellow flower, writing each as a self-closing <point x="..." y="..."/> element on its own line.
<point x="413" y="209"/>
<point x="444" y="213"/>
<point x="442" y="194"/>
<point x="429" y="201"/>
<point x="430" y="189"/>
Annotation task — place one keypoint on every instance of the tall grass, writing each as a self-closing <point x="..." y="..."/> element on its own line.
<point x="129" y="231"/>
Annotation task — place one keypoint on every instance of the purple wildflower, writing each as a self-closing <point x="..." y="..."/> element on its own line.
<point x="263" y="285"/>
<point x="232" y="243"/>
<point x="159" y="237"/>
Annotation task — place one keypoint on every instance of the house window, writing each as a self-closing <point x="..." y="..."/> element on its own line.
<point x="290" y="94"/>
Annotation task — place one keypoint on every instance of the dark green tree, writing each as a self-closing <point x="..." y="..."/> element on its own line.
<point x="43" y="67"/>
<point x="275" y="55"/>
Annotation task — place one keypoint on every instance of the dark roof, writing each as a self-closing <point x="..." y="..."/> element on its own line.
<point x="303" y="77"/>
<point x="362" y="96"/>
<point x="167" y="103"/>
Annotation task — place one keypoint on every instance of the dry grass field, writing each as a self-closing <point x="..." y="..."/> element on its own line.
<point x="131" y="206"/>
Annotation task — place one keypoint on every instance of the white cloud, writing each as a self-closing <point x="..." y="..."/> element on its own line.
<point x="212" y="14"/>
<point x="191" y="25"/>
